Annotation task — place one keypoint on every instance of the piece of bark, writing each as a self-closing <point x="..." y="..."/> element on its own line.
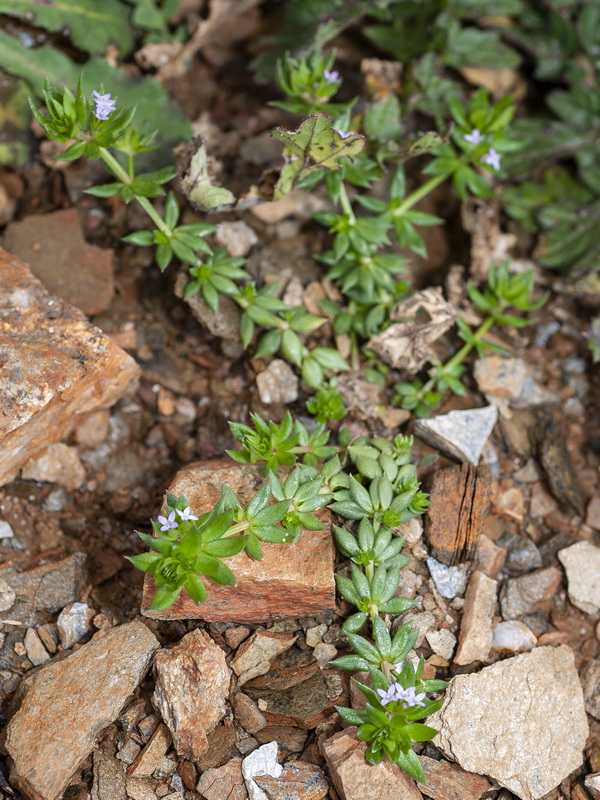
<point x="54" y="368"/>
<point x="459" y="505"/>
<point x="292" y="580"/>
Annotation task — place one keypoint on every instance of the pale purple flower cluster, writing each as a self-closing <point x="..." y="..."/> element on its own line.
<point x="344" y="134"/>
<point x="407" y="697"/>
<point x="331" y="76"/>
<point x="492" y="157"/>
<point x="170" y="523"/>
<point x="104" y="105"/>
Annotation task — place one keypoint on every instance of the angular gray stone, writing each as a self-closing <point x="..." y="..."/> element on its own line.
<point x="521" y="721"/>
<point x="63" y="708"/>
<point x="582" y="565"/>
<point x="522" y="595"/>
<point x="48" y="587"/>
<point x="459" y="434"/>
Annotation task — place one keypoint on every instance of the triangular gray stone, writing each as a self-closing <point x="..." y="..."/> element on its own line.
<point x="459" y="434"/>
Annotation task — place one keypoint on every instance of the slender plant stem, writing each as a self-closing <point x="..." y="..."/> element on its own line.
<point x="118" y="171"/>
<point x="461" y="354"/>
<point x="346" y="204"/>
<point x="419" y="194"/>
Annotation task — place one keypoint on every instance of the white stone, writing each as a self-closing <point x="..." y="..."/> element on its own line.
<point x="7" y="595"/>
<point x="582" y="565"/>
<point x="460" y="434"/>
<point x="513" y="636"/>
<point x="521" y="721"/>
<point x="442" y="642"/>
<point x="238" y="237"/>
<point x="449" y="581"/>
<point x="6" y="532"/>
<point x="74" y="623"/>
<point x="262" y="761"/>
<point x="277" y="384"/>
<point x="324" y="653"/>
<point x="36" y="652"/>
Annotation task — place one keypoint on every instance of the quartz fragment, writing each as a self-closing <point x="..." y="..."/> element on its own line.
<point x="449" y="581"/>
<point x="262" y="761"/>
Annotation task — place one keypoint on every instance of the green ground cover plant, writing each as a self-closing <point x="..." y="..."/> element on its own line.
<point x="360" y="154"/>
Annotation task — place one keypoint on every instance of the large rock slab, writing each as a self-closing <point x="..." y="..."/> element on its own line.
<point x="292" y="580"/>
<point x="521" y="721"/>
<point x="355" y="779"/>
<point x="192" y="684"/>
<point x="54" y="248"/>
<point x="55" y="367"/>
<point x="63" y="708"/>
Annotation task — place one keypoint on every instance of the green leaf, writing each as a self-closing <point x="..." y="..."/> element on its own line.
<point x="139" y="238"/>
<point x="92" y="26"/>
<point x="355" y="663"/>
<point x="409" y="762"/>
<point x="351" y="715"/>
<point x="198" y="186"/>
<point x="164" y="597"/>
<point x="314" y="146"/>
<point x="146" y="562"/>
<point x="195" y="588"/>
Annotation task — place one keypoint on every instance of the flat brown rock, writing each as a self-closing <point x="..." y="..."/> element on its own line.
<point x="355" y="779"/>
<point x="66" y="705"/>
<point x="292" y="580"/>
<point x="192" y="683"/>
<point x="55" y="367"/>
<point x="304" y="705"/>
<point x="447" y="781"/>
<point x="459" y="505"/>
<point x="55" y="250"/>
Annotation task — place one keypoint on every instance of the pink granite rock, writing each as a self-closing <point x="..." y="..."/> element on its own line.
<point x="192" y="684"/>
<point x="292" y="580"/>
<point x="54" y="367"/>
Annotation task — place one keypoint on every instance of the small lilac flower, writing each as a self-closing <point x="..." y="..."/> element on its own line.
<point x="389" y="695"/>
<point x="186" y="514"/>
<point x="345" y="134"/>
<point x="168" y="524"/>
<point x="409" y="699"/>
<point x="104" y="105"/>
<point x="331" y="76"/>
<point x="492" y="158"/>
<point x="475" y="137"/>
